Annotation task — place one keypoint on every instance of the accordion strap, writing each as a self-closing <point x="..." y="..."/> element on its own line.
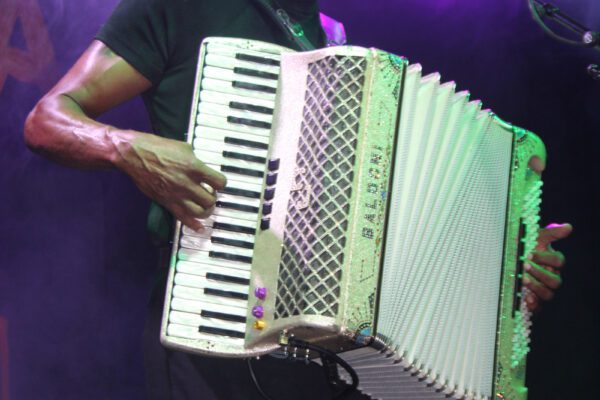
<point x="334" y="31"/>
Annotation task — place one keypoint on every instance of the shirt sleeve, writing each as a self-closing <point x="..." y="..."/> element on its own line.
<point x="137" y="31"/>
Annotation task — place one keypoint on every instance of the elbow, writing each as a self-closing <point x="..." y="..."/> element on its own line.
<point x="34" y="129"/>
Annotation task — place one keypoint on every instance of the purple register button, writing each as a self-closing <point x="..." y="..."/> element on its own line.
<point x="260" y="292"/>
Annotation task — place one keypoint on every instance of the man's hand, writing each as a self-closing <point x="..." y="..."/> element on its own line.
<point x="169" y="172"/>
<point x="62" y="128"/>
<point x="544" y="265"/>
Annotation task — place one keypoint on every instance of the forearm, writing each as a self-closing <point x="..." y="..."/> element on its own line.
<point x="58" y="129"/>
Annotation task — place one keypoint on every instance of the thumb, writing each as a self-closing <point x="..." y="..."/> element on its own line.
<point x="551" y="233"/>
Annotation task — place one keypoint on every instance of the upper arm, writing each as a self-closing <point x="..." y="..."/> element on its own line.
<point x="100" y="80"/>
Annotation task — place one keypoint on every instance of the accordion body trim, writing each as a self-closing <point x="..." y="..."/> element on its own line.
<point x="392" y="217"/>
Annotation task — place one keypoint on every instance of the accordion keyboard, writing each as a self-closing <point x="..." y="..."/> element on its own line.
<point x="233" y="121"/>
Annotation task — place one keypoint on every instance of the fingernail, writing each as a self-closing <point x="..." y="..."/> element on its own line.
<point x="527" y="267"/>
<point x="530" y="256"/>
<point x="526" y="281"/>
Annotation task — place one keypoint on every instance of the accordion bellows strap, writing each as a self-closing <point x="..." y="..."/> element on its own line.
<point x="370" y="210"/>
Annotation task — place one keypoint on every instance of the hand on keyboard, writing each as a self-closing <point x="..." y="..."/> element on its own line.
<point x="168" y="172"/>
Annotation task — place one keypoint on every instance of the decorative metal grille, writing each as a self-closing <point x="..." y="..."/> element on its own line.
<point x="310" y="271"/>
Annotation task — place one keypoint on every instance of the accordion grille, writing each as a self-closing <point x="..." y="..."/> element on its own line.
<point x="310" y="270"/>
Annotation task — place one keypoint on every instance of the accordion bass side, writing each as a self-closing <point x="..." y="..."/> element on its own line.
<point x="370" y="210"/>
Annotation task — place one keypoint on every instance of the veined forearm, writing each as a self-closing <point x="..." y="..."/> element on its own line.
<point x="58" y="129"/>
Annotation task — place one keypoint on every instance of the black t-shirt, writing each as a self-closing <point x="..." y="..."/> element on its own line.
<point x="161" y="39"/>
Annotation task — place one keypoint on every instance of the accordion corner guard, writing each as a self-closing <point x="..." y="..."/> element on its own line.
<point x="370" y="210"/>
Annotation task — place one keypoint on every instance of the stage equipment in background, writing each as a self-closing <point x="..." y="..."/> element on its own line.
<point x="370" y="212"/>
<point x="586" y="37"/>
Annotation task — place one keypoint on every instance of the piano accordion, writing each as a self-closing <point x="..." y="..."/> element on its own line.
<point x="370" y="210"/>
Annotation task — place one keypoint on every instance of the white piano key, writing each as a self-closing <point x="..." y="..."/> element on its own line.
<point x="219" y="146"/>
<point x="229" y="61"/>
<point x="239" y="181"/>
<point x="188" y="242"/>
<point x="194" y="268"/>
<point x="209" y="157"/>
<point x="238" y="200"/>
<point x="188" y="293"/>
<point x="218" y="158"/>
<point x="201" y="257"/>
<point x="215" y="121"/>
<point x="246" y="184"/>
<point x="196" y="307"/>
<point x="208" y="222"/>
<point x="230" y="51"/>
<point x="209" y="96"/>
<point x="226" y="111"/>
<point x="189" y="332"/>
<point x="189" y="319"/>
<point x="200" y="282"/>
<point x="203" y="243"/>
<point x="226" y="74"/>
<point x="220" y="134"/>
<point x="230" y="213"/>
<point x="227" y="87"/>
<point x="209" y="233"/>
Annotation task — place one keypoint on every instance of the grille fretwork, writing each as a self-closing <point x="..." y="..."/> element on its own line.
<point x="317" y="220"/>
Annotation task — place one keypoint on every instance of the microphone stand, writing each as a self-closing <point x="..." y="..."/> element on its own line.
<point x="589" y="38"/>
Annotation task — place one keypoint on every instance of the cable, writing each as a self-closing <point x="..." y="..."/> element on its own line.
<point x="255" y="380"/>
<point x="340" y="361"/>
<point x="324" y="353"/>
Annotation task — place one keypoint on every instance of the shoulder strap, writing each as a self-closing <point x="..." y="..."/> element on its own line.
<point x="334" y="30"/>
<point x="292" y="29"/>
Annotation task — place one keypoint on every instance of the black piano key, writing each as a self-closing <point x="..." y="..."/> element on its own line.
<point x="253" y="86"/>
<point x="274" y="164"/>
<point x="256" y="73"/>
<point x="221" y="332"/>
<point x="245" y="157"/>
<point x="242" y="171"/>
<point x="257" y="59"/>
<point x="267" y="208"/>
<point x="271" y="179"/>
<point x="237" y="207"/>
<point x="230" y="257"/>
<point x="222" y="316"/>
<point x="250" y="107"/>
<point x="232" y="242"/>
<point x="269" y="194"/>
<point x="235" y="228"/>
<point x="265" y="224"/>
<point x="228" y="279"/>
<point x="241" y="192"/>
<point x="225" y="293"/>
<point x="247" y="143"/>
<point x="249" y="122"/>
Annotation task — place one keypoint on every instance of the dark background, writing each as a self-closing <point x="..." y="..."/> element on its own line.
<point x="75" y="261"/>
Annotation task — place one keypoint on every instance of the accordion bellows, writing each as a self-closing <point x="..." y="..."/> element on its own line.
<point x="369" y="209"/>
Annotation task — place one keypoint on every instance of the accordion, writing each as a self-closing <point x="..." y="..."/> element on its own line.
<point x="370" y="210"/>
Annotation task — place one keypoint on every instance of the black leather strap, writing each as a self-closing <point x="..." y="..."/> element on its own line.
<point x="292" y="29"/>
